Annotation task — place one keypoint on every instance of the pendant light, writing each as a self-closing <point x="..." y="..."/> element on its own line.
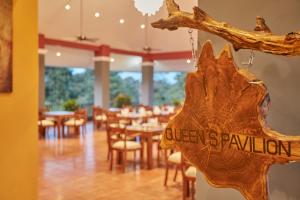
<point x="148" y="7"/>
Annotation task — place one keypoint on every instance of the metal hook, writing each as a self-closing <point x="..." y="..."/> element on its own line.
<point x="192" y="42"/>
<point x="251" y="60"/>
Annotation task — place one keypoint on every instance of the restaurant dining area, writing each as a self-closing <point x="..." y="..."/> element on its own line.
<point x="109" y="157"/>
<point x="149" y="100"/>
<point x="104" y="103"/>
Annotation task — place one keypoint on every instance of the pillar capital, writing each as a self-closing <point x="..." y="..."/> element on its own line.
<point x="147" y="64"/>
<point x="103" y="51"/>
<point x="101" y="59"/>
<point x="42" y="45"/>
<point x="42" y="51"/>
<point x="147" y="60"/>
<point x="42" y="41"/>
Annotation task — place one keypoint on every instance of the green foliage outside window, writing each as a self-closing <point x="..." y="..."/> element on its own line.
<point x="63" y="84"/>
<point x="129" y="86"/>
<point x="121" y="101"/>
<point x="169" y="92"/>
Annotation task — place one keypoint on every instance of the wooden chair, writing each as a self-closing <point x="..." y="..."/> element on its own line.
<point x="174" y="159"/>
<point x="99" y="117"/>
<point x="163" y="119"/>
<point x="113" y="120"/>
<point x="79" y="120"/>
<point x="46" y="109"/>
<point x="188" y="179"/>
<point x="144" y="108"/>
<point x="45" y="124"/>
<point x="122" y="145"/>
<point x="148" y="108"/>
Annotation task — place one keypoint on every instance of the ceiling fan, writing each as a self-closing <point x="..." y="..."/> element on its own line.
<point x="82" y="37"/>
<point x="147" y="48"/>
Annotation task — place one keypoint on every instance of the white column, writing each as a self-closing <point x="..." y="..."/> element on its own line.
<point x="102" y="79"/>
<point x="147" y="83"/>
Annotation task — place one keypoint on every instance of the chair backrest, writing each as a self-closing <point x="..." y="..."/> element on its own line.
<point x="152" y="120"/>
<point x="111" y="118"/>
<point x="163" y="118"/>
<point x="97" y="111"/>
<point x="81" y="114"/>
<point x="42" y="113"/>
<point x="114" y="130"/>
<point x="185" y="164"/>
<point x="147" y="108"/>
<point x="45" y="109"/>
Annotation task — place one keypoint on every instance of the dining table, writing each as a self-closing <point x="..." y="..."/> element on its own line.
<point x="116" y="110"/>
<point x="133" y="116"/>
<point x="59" y="117"/>
<point x="147" y="131"/>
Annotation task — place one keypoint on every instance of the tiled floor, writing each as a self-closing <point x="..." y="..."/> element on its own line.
<point x="76" y="169"/>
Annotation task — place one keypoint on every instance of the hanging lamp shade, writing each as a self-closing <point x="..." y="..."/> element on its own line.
<point x="148" y="7"/>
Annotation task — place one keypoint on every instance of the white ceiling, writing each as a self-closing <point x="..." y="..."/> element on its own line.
<point x="56" y="22"/>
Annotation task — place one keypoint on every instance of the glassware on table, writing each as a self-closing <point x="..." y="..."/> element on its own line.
<point x="156" y="110"/>
<point x="153" y="121"/>
<point x="125" y="111"/>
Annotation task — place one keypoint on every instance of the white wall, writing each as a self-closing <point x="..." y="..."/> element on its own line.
<point x="280" y="74"/>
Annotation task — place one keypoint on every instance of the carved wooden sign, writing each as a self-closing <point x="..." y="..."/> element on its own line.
<point x="221" y="127"/>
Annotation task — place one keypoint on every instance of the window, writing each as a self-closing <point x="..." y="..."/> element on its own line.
<point x="125" y="83"/>
<point x="169" y="87"/>
<point x="63" y="84"/>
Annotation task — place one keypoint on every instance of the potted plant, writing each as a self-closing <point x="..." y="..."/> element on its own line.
<point x="71" y="105"/>
<point x="122" y="100"/>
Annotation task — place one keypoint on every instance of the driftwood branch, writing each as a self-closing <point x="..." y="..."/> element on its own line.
<point x="261" y="39"/>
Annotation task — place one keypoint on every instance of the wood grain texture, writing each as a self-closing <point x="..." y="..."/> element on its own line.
<point x="261" y="40"/>
<point x="221" y="127"/>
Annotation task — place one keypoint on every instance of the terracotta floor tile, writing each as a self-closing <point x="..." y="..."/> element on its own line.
<point x="76" y="169"/>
